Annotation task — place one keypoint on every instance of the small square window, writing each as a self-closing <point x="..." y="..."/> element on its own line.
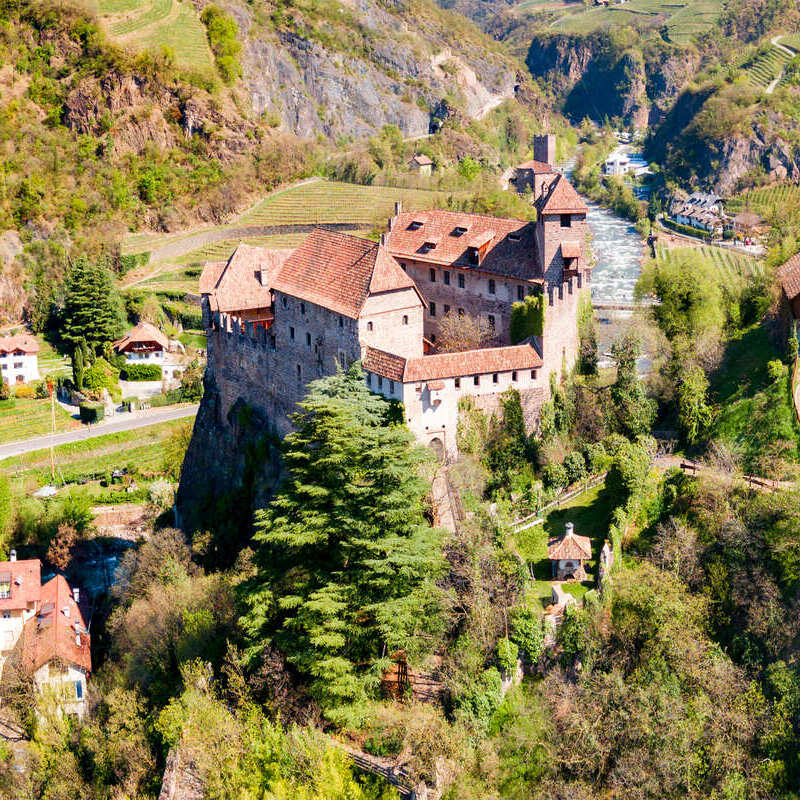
<point x="491" y="321"/>
<point x="405" y="319"/>
<point x="433" y="338"/>
<point x="446" y="278"/>
<point x="380" y="382"/>
<point x="291" y="333"/>
<point x="514" y="376"/>
<point x="491" y="286"/>
<point x="433" y="276"/>
<point x="341" y="322"/>
<point x="566" y="221"/>
<point x="476" y="379"/>
<point x="432" y="309"/>
<point x="458" y="383"/>
<point x="495" y="378"/>
<point x="460" y="281"/>
<point x="533" y="374"/>
<point x="285" y="302"/>
<point x="446" y="309"/>
<point x="369" y="326"/>
<point x="299" y="373"/>
<point x="302" y="308"/>
<point x="520" y="293"/>
<point x="391" y="387"/>
<point x="308" y="339"/>
<point x="78" y="690"/>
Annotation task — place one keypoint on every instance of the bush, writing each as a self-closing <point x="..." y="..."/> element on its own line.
<point x="554" y="476"/>
<point x="92" y="412"/>
<point x="5" y="391"/>
<point x="628" y="471"/>
<point x="165" y="399"/>
<point x="480" y="698"/>
<point x="101" y="375"/>
<point x="575" y="465"/>
<point x="597" y="458"/>
<point x="507" y="652"/>
<point x="527" y="632"/>
<point x="141" y="372"/>
<point x="24" y="392"/>
<point x="40" y="390"/>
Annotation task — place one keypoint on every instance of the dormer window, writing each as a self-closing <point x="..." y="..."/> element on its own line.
<point x="472" y="255"/>
<point x="415" y="225"/>
<point x="428" y="246"/>
<point x="459" y="230"/>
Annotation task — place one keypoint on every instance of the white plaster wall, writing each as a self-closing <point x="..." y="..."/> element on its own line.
<point x="27" y="371"/>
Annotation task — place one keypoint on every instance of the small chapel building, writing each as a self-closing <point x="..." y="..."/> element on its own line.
<point x="569" y="554"/>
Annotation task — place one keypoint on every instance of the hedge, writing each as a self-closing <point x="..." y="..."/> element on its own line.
<point x="92" y="412"/>
<point x="141" y="372"/>
<point x="166" y="399"/>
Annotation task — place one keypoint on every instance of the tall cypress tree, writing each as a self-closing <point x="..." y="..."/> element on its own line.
<point x="93" y="310"/>
<point x="346" y="559"/>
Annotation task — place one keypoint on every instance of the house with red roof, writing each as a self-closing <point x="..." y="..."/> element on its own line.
<point x="44" y="627"/>
<point x="19" y="359"/>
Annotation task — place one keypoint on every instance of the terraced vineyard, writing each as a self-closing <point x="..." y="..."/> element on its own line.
<point x="766" y="199"/>
<point x="156" y="24"/>
<point x="22" y="419"/>
<point x="734" y="268"/>
<point x="767" y="66"/>
<point x="683" y="19"/>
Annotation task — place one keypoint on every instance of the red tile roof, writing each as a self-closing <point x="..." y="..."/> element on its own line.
<point x="562" y="199"/>
<point x="25" y="579"/>
<point x="515" y="258"/>
<point x="385" y="364"/>
<point x="238" y="285"/>
<point x="52" y="633"/>
<point x="143" y="333"/>
<point x="789" y="275"/>
<point x="19" y="341"/>
<point x="538" y="167"/>
<point x="472" y="362"/>
<point x="422" y="160"/>
<point x="451" y="365"/>
<point x="338" y="272"/>
<point x="569" y="546"/>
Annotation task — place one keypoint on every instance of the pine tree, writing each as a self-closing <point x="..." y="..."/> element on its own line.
<point x="346" y="560"/>
<point x="93" y="310"/>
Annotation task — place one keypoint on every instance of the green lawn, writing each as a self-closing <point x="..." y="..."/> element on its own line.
<point x="590" y="513"/>
<point x="753" y="414"/>
<point x="145" y="448"/>
<point x="196" y="339"/>
<point x="733" y="268"/>
<point x="23" y="419"/>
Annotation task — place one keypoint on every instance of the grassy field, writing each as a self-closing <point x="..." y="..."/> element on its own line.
<point x="156" y="25"/>
<point x="23" y="419"/>
<point x="682" y="20"/>
<point x="753" y="415"/>
<point x="144" y="448"/>
<point x="734" y="268"/>
<point x="590" y="512"/>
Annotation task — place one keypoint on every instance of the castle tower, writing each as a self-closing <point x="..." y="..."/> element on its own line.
<point x="544" y="148"/>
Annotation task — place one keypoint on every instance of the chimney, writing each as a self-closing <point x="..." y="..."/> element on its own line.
<point x="263" y="276"/>
<point x="12" y="556"/>
<point x="383" y="240"/>
<point x="76" y="595"/>
<point x="544" y="148"/>
<point x="570" y="529"/>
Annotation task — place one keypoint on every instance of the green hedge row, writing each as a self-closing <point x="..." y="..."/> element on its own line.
<point x="141" y="372"/>
<point x="92" y="412"/>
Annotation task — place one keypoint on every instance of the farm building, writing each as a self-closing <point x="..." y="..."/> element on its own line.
<point x="421" y="164"/>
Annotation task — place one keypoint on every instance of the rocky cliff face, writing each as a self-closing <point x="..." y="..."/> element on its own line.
<point x="598" y="78"/>
<point x="403" y="67"/>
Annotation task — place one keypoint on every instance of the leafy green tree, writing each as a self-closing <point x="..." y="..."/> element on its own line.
<point x="628" y="470"/>
<point x="93" y="310"/>
<point x="507" y="442"/>
<point x="694" y="413"/>
<point x="346" y="562"/>
<point x="633" y="411"/>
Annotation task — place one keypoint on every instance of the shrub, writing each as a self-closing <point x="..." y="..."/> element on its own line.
<point x="628" y="470"/>
<point x="480" y="698"/>
<point x="165" y="399"/>
<point x="141" y="372"/>
<point x="527" y="632"/>
<point x="597" y="458"/>
<point x="554" y="476"/>
<point x="24" y="392"/>
<point x="5" y="391"/>
<point x="92" y="412"/>
<point x="507" y="652"/>
<point x="101" y="375"/>
<point x="40" y="390"/>
<point x="162" y="494"/>
<point x="575" y="465"/>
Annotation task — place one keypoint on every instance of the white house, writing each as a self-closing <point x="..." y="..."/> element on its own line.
<point x="47" y="628"/>
<point x="143" y="344"/>
<point x="19" y="359"/>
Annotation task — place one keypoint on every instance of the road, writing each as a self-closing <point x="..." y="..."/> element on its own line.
<point x="124" y="422"/>
<point x="775" y="42"/>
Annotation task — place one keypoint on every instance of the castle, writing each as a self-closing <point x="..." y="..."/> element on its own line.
<point x="277" y="320"/>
